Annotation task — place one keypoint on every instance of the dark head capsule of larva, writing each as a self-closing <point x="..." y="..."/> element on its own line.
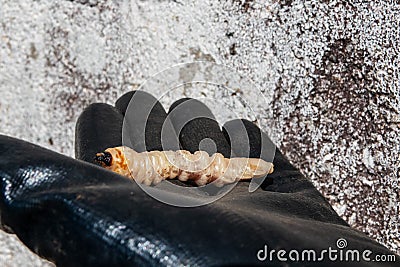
<point x="103" y="159"/>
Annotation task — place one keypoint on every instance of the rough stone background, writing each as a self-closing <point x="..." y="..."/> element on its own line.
<point x="329" y="71"/>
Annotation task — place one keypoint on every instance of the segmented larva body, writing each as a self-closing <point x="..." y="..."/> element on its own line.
<point x="154" y="166"/>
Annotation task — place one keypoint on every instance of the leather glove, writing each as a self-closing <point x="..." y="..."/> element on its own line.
<point x="75" y="213"/>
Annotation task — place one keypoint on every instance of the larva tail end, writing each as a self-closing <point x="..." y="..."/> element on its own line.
<point x="260" y="167"/>
<point x="103" y="159"/>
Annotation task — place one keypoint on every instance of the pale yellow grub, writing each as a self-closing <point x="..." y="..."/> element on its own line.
<point x="155" y="166"/>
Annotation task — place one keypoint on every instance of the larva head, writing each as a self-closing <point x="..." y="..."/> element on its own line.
<point x="103" y="159"/>
<point x="113" y="159"/>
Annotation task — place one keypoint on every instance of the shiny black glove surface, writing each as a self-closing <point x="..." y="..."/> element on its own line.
<point x="75" y="213"/>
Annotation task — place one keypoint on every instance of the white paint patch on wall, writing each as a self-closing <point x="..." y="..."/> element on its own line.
<point x="88" y="50"/>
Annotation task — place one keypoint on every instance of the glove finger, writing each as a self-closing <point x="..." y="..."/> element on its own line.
<point x="197" y="127"/>
<point x="98" y="127"/>
<point x="144" y="122"/>
<point x="122" y="102"/>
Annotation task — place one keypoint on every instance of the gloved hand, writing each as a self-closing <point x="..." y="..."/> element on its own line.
<point x="75" y="213"/>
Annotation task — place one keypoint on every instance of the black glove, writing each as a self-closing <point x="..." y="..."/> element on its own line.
<point x="75" y="213"/>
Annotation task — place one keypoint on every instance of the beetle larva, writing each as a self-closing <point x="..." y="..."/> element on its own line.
<point x="154" y="166"/>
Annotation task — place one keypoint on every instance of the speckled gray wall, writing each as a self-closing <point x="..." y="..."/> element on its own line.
<point x="328" y="70"/>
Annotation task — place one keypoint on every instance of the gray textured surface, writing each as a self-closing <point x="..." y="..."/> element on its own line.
<point x="328" y="69"/>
